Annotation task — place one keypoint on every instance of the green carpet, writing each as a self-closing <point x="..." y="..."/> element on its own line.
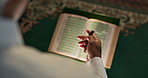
<point x="130" y="60"/>
<point x="41" y="34"/>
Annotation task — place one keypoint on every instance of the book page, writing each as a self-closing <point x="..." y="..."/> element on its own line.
<point x="71" y="27"/>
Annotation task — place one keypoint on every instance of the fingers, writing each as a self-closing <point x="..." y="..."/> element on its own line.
<point x="89" y="44"/>
<point x="87" y="31"/>
<point x="82" y="37"/>
<point x="83" y="44"/>
<point x="86" y="37"/>
<point x="83" y="47"/>
<point x="86" y="40"/>
<point x="92" y="35"/>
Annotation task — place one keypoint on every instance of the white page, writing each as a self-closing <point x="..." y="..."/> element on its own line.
<point x="70" y="27"/>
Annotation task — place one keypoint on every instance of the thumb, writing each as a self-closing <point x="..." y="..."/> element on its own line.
<point x="91" y="38"/>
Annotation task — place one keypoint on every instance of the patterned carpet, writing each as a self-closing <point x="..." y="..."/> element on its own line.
<point x="130" y="20"/>
<point x="140" y="6"/>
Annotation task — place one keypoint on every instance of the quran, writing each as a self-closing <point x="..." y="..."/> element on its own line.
<point x="64" y="40"/>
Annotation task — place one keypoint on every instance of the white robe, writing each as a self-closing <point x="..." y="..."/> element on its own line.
<point x="19" y="61"/>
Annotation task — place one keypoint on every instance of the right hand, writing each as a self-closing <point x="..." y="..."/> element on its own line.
<point x="91" y="44"/>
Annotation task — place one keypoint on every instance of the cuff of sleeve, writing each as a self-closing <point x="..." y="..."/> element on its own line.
<point x="97" y="65"/>
<point x="95" y="60"/>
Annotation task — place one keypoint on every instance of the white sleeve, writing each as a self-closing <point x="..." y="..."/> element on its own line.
<point x="96" y="64"/>
<point x="9" y="33"/>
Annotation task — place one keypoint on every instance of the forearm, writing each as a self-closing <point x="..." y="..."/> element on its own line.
<point x="9" y="33"/>
<point x="96" y="64"/>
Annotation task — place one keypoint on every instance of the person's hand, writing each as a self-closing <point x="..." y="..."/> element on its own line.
<point x="91" y="44"/>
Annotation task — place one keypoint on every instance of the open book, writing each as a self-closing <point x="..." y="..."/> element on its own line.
<point x="65" y="42"/>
